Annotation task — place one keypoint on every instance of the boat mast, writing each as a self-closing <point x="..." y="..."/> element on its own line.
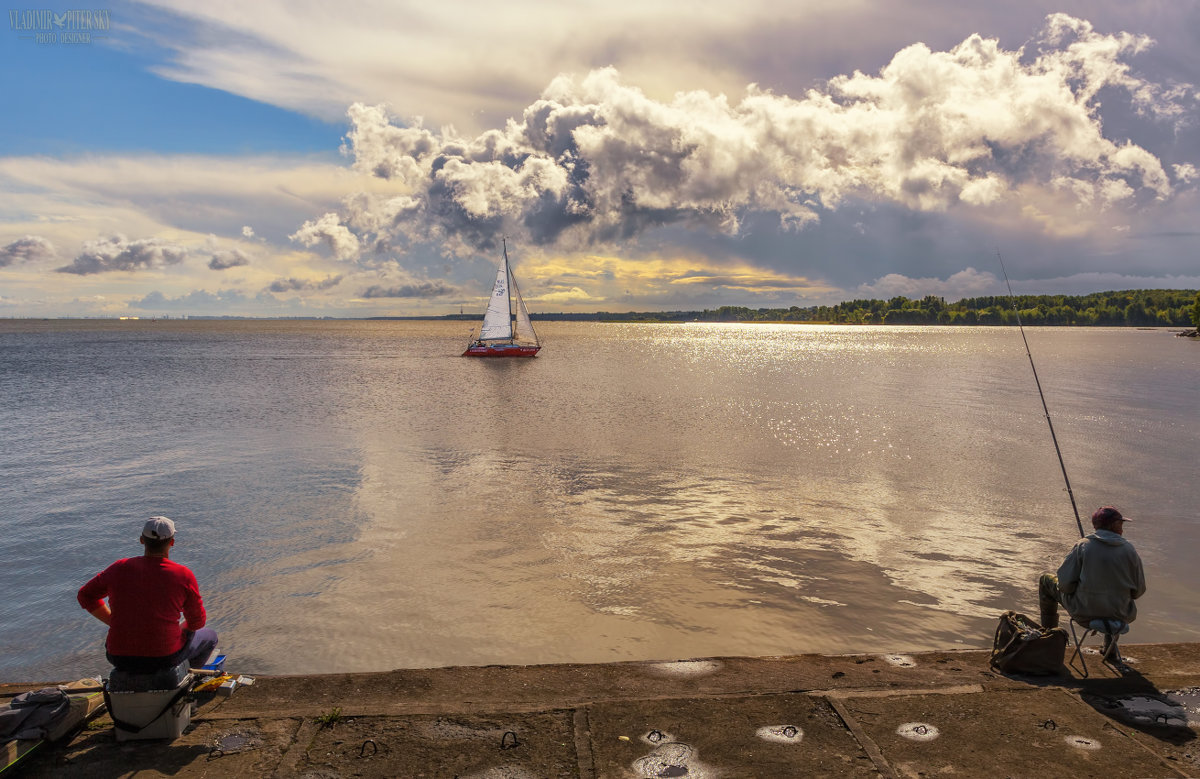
<point x="509" y="284"/>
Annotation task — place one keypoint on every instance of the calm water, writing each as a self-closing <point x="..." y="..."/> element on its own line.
<point x="356" y="496"/>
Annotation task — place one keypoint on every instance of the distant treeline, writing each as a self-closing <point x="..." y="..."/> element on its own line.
<point x="1135" y="307"/>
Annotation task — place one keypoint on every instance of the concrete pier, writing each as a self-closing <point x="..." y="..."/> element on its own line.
<point x="870" y="715"/>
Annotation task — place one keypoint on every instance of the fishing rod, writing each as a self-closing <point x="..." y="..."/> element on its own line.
<point x="1041" y="395"/>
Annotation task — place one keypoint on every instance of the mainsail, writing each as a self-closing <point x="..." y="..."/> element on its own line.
<point x="497" y="321"/>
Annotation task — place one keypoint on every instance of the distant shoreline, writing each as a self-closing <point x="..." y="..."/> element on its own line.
<point x="1122" y="308"/>
<point x="614" y="319"/>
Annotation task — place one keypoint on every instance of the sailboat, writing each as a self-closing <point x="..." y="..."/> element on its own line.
<point x="506" y="330"/>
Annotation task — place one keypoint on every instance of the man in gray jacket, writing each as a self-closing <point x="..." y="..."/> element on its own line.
<point x="1100" y="579"/>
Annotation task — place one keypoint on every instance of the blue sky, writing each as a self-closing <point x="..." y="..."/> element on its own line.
<point x="283" y="159"/>
<point x="97" y="98"/>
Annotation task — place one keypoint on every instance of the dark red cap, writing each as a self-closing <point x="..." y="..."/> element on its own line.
<point x="1106" y="516"/>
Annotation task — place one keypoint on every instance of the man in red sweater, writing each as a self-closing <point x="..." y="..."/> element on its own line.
<point x="146" y="595"/>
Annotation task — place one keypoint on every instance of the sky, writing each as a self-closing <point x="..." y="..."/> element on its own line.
<point x="366" y="158"/>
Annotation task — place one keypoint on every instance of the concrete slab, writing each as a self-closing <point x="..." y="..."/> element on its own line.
<point x="999" y="733"/>
<point x="852" y="715"/>
<point x="518" y="746"/>
<point x="251" y="748"/>
<point x="518" y="688"/>
<point x="769" y="736"/>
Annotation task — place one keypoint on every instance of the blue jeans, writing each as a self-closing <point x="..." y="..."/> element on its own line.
<point x="197" y="647"/>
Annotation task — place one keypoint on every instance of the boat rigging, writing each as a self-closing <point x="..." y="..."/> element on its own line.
<point x="506" y="330"/>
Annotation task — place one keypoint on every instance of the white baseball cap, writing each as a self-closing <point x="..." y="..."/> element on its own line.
<point x="158" y="529"/>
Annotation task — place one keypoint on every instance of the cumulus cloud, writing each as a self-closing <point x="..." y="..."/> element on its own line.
<point x="423" y="289"/>
<point x="329" y="231"/>
<point x="117" y="253"/>
<point x="223" y="259"/>
<point x="1097" y="282"/>
<point x="975" y="283"/>
<point x="572" y="295"/>
<point x="303" y="285"/>
<point x="1075" y="48"/>
<point x="596" y="160"/>
<point x="27" y="249"/>
<point x="247" y="231"/>
<point x="196" y="300"/>
<point x="965" y="283"/>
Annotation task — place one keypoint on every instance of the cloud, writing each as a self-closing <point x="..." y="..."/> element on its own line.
<point x="151" y="194"/>
<point x="1092" y="281"/>
<point x="424" y="289"/>
<point x="223" y="259"/>
<point x="572" y="295"/>
<point x="973" y="283"/>
<point x="328" y="230"/>
<point x="1088" y="57"/>
<point x="596" y="161"/>
<point x="196" y="300"/>
<point x="675" y="281"/>
<point x="317" y="60"/>
<point x="911" y="165"/>
<point x="965" y="283"/>
<point x="303" y="285"/>
<point x="747" y="279"/>
<point x="31" y="248"/>
<point x="117" y="253"/>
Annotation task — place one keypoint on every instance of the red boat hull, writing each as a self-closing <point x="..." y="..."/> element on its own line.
<point x="501" y="350"/>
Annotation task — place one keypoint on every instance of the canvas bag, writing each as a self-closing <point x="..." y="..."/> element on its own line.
<point x="1022" y="646"/>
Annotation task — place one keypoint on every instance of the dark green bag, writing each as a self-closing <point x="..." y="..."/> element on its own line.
<point x="1022" y="646"/>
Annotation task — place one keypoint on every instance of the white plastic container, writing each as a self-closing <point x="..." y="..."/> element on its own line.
<point x="132" y="703"/>
<point x="137" y="708"/>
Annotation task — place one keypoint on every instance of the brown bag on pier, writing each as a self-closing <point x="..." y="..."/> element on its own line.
<point x="1022" y="646"/>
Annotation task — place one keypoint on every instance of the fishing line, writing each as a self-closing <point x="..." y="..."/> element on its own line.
<point x="1041" y="395"/>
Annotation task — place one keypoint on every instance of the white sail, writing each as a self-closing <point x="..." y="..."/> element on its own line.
<point x="497" y="337"/>
<point x="497" y="322"/>
<point x="524" y="329"/>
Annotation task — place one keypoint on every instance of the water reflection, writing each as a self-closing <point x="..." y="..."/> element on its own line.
<point x="365" y="499"/>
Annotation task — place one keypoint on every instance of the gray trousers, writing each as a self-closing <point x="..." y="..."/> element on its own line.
<point x="1048" y="599"/>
